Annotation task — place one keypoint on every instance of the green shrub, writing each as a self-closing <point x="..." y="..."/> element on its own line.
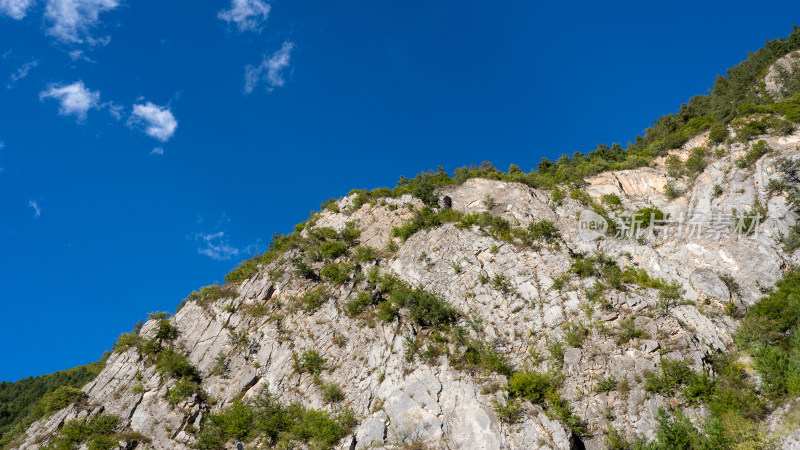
<point x="647" y="217"/>
<point x="387" y="312"/>
<point x="350" y="234"/>
<point x="166" y="331"/>
<point x="612" y="200"/>
<point x="780" y="374"/>
<point x="424" y="219"/>
<point x="173" y="364"/>
<point x="718" y="133"/>
<point x="359" y="304"/>
<point x="210" y="294"/>
<point x="337" y="272"/>
<point x="733" y="393"/>
<point x="557" y="351"/>
<point x="309" y="362"/>
<point x="677" y="432"/>
<point x="365" y="253"/>
<point x="670" y="191"/>
<point x="313" y="299"/>
<point x="750" y="129"/>
<point x="557" y="196"/>
<point x="575" y="333"/>
<point x="149" y="348"/>
<point x="674" y="166"/>
<point x="236" y="422"/>
<point x="700" y="389"/>
<point x="479" y="354"/>
<point x="730" y="283"/>
<point x="672" y="376"/>
<point x="782" y="127"/>
<point x="755" y="153"/>
<point x="628" y="332"/>
<point x="509" y="412"/>
<point x="220" y="366"/>
<point x="697" y="160"/>
<point x="126" y="341"/>
<point x="98" y="433"/>
<point x="533" y="386"/>
<point x="425" y="308"/>
<point x="501" y="283"/>
<point x="332" y="249"/>
<point x="544" y="230"/>
<point x="62" y="397"/>
<point x="304" y="269"/>
<point x="606" y="385"/>
<point x="245" y="270"/>
<point x="669" y="296"/>
<point x="182" y="390"/>
<point x="542" y="389"/>
<point x="279" y="425"/>
<point x="332" y="393"/>
<point x="770" y="320"/>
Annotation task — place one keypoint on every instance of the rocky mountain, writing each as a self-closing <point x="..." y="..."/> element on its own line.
<point x="489" y="311"/>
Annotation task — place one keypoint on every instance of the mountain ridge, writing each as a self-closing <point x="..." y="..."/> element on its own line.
<point x="474" y="312"/>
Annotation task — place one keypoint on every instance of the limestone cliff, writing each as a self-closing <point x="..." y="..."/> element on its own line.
<point x="259" y="329"/>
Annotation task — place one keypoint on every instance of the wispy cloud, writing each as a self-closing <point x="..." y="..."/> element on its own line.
<point x="77" y="55"/>
<point x="216" y="246"/>
<point x="159" y="121"/>
<point x="114" y="109"/>
<point x="71" y="20"/>
<point x="248" y="15"/>
<point x="75" y="99"/>
<point x="157" y="151"/>
<point x="270" y="70"/>
<point x="36" y="210"/>
<point x="16" y="9"/>
<point x="21" y="73"/>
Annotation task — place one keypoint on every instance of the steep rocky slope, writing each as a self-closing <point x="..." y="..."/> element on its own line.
<point x="521" y="299"/>
<point x="481" y="312"/>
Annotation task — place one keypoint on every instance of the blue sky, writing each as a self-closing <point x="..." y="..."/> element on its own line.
<point x="148" y="146"/>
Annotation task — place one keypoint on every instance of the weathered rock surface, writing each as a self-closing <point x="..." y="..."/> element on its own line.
<point x="400" y="402"/>
<point x="788" y="65"/>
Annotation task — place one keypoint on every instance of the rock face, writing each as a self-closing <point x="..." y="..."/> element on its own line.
<point x="785" y="68"/>
<point x="429" y="401"/>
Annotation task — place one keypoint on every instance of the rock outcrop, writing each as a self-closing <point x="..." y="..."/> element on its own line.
<point x="401" y="401"/>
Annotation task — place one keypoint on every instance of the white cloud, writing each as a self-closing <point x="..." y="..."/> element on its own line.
<point x="16" y="9"/>
<point x="75" y="98"/>
<point x="71" y="19"/>
<point x="216" y="246"/>
<point x="248" y="15"/>
<point x="21" y="72"/>
<point x="35" y="205"/>
<point x="270" y="70"/>
<point x="159" y="121"/>
<point x="157" y="151"/>
<point x="114" y="109"/>
<point x="80" y="55"/>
